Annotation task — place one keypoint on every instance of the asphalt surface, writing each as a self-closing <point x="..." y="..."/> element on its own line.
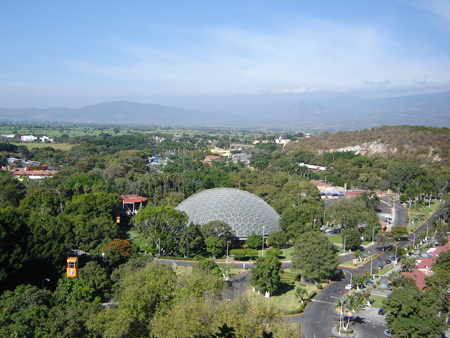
<point x="319" y="317"/>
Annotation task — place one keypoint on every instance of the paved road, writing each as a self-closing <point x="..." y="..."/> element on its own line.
<point x="319" y="316"/>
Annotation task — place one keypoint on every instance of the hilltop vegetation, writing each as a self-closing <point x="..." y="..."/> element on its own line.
<point x="410" y="143"/>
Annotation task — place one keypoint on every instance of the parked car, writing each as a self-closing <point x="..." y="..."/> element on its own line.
<point x="348" y="287"/>
<point x="380" y="267"/>
<point x="393" y="258"/>
<point x="388" y="261"/>
<point x="388" y="333"/>
<point x="381" y="312"/>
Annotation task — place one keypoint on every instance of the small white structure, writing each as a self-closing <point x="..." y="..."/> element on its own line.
<point x="281" y="141"/>
<point x="8" y="136"/>
<point x="312" y="167"/>
<point x="46" y="138"/>
<point x="28" y="138"/>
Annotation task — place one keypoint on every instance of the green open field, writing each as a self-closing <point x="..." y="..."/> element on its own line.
<point x="58" y="130"/>
<point x="60" y="146"/>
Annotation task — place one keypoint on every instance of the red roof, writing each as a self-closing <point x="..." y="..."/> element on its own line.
<point x="132" y="199"/>
<point x="418" y="276"/>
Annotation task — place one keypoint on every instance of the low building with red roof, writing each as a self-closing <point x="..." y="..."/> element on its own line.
<point x="132" y="203"/>
<point x="425" y="263"/>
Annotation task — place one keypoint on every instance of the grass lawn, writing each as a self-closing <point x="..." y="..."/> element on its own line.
<point x="287" y="254"/>
<point x="283" y="299"/>
<point x="335" y="239"/>
<point x="61" y="146"/>
<point x="377" y="301"/>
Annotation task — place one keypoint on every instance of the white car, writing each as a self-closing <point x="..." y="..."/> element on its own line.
<point x="348" y="287"/>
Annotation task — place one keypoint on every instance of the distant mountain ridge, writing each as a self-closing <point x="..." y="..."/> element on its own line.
<point x="342" y="112"/>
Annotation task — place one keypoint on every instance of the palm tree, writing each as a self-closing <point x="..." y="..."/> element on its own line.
<point x="353" y="303"/>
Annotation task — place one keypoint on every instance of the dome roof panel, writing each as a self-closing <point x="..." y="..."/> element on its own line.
<point x="243" y="211"/>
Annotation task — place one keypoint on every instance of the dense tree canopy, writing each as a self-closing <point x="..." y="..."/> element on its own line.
<point x="315" y="256"/>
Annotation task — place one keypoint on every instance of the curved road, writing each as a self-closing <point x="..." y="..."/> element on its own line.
<point x="319" y="316"/>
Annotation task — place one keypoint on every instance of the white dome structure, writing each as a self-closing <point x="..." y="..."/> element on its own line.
<point x="244" y="212"/>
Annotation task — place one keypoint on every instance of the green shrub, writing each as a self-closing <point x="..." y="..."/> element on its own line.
<point x="301" y="284"/>
<point x="319" y="286"/>
<point x="273" y="252"/>
<point x="312" y="294"/>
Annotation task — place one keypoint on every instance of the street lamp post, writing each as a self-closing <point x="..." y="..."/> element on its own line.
<point x="342" y="309"/>
<point x="44" y="280"/>
<point x="103" y="260"/>
<point x="227" y="262"/>
<point x="351" y="279"/>
<point x="373" y="235"/>
<point x="262" y="250"/>
<point x="345" y="238"/>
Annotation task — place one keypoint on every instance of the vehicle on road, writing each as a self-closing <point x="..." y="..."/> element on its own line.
<point x="388" y="261"/>
<point x="348" y="287"/>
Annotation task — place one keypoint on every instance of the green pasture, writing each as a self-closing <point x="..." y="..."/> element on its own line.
<point x="60" y="146"/>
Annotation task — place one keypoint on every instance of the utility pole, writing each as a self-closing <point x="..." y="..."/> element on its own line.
<point x="345" y="238"/>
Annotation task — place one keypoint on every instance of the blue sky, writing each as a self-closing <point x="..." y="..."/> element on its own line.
<point x="214" y="55"/>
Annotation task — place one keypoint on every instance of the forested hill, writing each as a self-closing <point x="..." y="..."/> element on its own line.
<point x="405" y="142"/>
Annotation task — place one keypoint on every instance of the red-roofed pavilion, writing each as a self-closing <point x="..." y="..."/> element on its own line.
<point x="132" y="203"/>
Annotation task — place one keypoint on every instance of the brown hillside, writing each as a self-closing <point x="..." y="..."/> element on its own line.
<point x="406" y="142"/>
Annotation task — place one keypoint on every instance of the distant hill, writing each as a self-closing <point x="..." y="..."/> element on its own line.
<point x="407" y="142"/>
<point x="120" y="112"/>
<point x="349" y="111"/>
<point x="342" y="112"/>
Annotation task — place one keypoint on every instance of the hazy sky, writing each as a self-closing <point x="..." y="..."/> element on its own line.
<point x="216" y="54"/>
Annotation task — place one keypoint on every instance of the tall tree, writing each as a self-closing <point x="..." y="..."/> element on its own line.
<point x="353" y="241"/>
<point x="162" y="224"/>
<point x="266" y="274"/>
<point x="315" y="256"/>
<point x="414" y="313"/>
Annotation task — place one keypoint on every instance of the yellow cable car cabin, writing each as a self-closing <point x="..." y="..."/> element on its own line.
<point x="72" y="266"/>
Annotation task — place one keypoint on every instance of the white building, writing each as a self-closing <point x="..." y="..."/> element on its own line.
<point x="281" y="141"/>
<point x="28" y="138"/>
<point x="45" y="138"/>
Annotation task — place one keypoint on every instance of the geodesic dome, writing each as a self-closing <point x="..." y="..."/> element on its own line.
<point x="244" y="212"/>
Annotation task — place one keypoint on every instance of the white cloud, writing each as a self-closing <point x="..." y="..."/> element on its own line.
<point x="300" y="57"/>
<point x="420" y="79"/>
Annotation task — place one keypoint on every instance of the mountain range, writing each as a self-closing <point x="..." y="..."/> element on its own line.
<point x="342" y="112"/>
